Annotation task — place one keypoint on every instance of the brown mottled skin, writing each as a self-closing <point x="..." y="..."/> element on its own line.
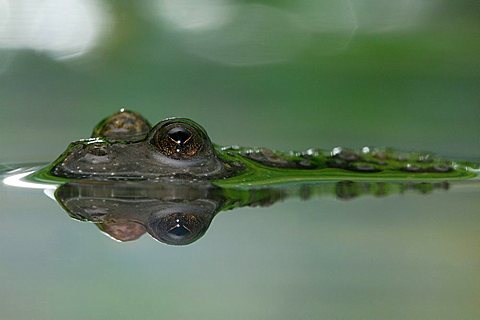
<point x="125" y="146"/>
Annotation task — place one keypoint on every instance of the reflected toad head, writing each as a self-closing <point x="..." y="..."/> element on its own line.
<point x="170" y="213"/>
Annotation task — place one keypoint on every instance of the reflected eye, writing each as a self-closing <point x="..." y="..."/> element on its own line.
<point x="178" y="228"/>
<point x="178" y="231"/>
<point x="179" y="140"/>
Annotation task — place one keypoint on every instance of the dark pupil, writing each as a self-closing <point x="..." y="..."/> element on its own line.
<point x="179" y="231"/>
<point x="179" y="135"/>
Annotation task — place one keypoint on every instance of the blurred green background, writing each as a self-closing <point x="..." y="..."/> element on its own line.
<point x="286" y="75"/>
<point x="282" y="74"/>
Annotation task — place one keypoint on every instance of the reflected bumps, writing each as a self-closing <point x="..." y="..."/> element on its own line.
<point x="181" y="213"/>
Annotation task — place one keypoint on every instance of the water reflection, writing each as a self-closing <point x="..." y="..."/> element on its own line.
<point x="179" y="213"/>
<point x="174" y="214"/>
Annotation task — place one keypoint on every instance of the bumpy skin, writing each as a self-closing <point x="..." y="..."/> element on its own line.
<point x="123" y="125"/>
<point x="173" y="148"/>
<point x="124" y="146"/>
<point x="367" y="160"/>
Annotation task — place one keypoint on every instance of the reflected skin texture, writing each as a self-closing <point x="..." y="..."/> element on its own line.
<point x="125" y="146"/>
<point x="122" y="230"/>
<point x="180" y="214"/>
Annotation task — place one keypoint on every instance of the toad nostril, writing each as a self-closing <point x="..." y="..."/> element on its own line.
<point x="97" y="150"/>
<point x="179" y="135"/>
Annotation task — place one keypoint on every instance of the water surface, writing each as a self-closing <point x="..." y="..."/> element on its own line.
<point x="402" y="256"/>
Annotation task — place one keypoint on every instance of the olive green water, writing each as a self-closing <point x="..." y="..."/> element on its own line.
<point x="411" y="84"/>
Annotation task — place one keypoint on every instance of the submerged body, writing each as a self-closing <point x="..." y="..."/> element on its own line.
<point x="125" y="146"/>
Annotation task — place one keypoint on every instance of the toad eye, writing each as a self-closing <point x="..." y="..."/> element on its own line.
<point x="179" y="140"/>
<point x="179" y="135"/>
